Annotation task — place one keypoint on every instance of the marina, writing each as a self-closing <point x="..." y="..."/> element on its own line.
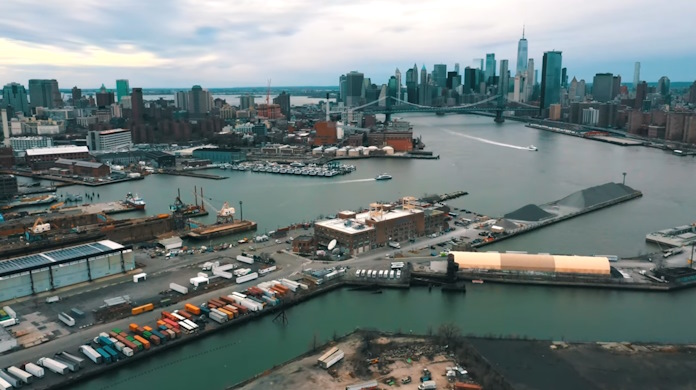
<point x="295" y="168"/>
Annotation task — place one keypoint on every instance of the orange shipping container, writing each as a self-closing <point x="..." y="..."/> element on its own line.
<point x="160" y="323"/>
<point x="467" y="386"/>
<point x="192" y="309"/>
<point x="229" y="314"/>
<point x="184" y="314"/>
<point x="133" y="327"/>
<point x="147" y="328"/>
<point x="145" y="343"/>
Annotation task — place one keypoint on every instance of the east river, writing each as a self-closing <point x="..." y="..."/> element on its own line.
<point x="486" y="160"/>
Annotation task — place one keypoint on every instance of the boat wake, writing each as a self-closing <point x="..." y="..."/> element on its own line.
<point x="487" y="141"/>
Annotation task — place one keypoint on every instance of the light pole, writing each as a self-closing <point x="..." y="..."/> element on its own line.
<point x="241" y="211"/>
<point x="624" y="178"/>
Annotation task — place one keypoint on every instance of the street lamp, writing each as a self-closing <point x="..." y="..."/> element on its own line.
<point x="241" y="211"/>
<point x="624" y="178"/>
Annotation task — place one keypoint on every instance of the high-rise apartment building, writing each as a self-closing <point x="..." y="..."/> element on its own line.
<point x="529" y="81"/>
<point x="200" y="101"/>
<point x="122" y="89"/>
<point x="15" y="95"/>
<point x="283" y="100"/>
<point x="342" y="88"/>
<point x="109" y="139"/>
<point x="137" y="105"/>
<point x="181" y="100"/>
<point x="551" y="79"/>
<point x="44" y="93"/>
<point x="636" y="75"/>
<point x="397" y="75"/>
<point x="641" y="94"/>
<point x="354" y="89"/>
<point x="522" y="55"/>
<point x="246" y="101"/>
<point x="76" y="94"/>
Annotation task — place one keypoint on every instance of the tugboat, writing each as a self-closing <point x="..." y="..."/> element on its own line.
<point x="135" y="201"/>
<point x="383" y="176"/>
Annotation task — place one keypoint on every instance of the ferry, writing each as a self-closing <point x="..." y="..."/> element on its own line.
<point x="533" y="148"/>
<point x="383" y="176"/>
<point x="26" y="201"/>
<point x="135" y="201"/>
<point x="477" y="281"/>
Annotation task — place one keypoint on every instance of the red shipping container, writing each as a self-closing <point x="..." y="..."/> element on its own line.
<point x="171" y="323"/>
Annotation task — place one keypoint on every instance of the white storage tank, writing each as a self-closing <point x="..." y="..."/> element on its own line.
<point x="330" y="151"/>
<point x="353" y="152"/>
<point x="388" y="150"/>
<point x="318" y="150"/>
<point x="341" y="152"/>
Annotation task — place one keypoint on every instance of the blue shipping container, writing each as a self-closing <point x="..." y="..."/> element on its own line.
<point x="112" y="352"/>
<point x="205" y="309"/>
<point x="162" y="337"/>
<point x="105" y="341"/>
<point x="105" y="355"/>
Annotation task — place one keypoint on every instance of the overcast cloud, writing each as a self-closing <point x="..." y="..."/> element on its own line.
<point x="237" y="43"/>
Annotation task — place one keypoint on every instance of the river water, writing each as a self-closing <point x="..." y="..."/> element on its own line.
<point x="486" y="160"/>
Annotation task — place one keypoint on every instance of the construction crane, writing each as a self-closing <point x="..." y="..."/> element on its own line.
<point x="56" y="206"/>
<point x="268" y="93"/>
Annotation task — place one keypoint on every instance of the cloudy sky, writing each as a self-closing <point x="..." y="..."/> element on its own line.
<point x="238" y="43"/>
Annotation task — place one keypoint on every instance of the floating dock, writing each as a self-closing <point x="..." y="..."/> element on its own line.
<point x="192" y="174"/>
<point x="99" y="208"/>
<point x="675" y="237"/>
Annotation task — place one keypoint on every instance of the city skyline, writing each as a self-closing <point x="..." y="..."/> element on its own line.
<point x="300" y="43"/>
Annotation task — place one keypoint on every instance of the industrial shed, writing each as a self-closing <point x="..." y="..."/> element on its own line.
<point x="47" y="271"/>
<point x="523" y="262"/>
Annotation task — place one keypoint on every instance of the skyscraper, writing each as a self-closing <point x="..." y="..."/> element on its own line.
<point x="636" y="75"/>
<point x="137" y="105"/>
<point x="122" y="89"/>
<point x="550" y="79"/>
<point x="199" y="100"/>
<point x="454" y="80"/>
<point x="529" y="81"/>
<point x="602" y="87"/>
<point x="397" y="74"/>
<point x="423" y="90"/>
<point x="616" y="86"/>
<point x="471" y="79"/>
<point x="456" y="67"/>
<point x="15" y="95"/>
<point x="440" y="75"/>
<point x="354" y="88"/>
<point x="342" y="87"/>
<point x="76" y="96"/>
<point x="44" y="93"/>
<point x="181" y="100"/>
<point x="412" y="84"/>
<point x="283" y="100"/>
<point x="663" y="86"/>
<point x="522" y="54"/>
<point x="105" y="98"/>
<point x="490" y="67"/>
<point x="504" y="80"/>
<point x="641" y="94"/>
<point x="564" y="77"/>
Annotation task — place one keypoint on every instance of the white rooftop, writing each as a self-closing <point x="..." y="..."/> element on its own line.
<point x="57" y="150"/>
<point x="357" y="224"/>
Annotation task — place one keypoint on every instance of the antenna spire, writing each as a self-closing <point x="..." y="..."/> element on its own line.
<point x="523" y="31"/>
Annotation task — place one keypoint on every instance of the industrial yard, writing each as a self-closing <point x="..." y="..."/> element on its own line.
<point x="370" y="360"/>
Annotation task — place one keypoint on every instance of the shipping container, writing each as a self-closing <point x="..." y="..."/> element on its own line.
<point x="240" y="308"/>
<point x="112" y="352"/>
<point x="71" y="366"/>
<point x="229" y="314"/>
<point x="183" y="313"/>
<point x="155" y="340"/>
<point x="193" y="309"/>
<point x="21" y="374"/>
<point x="35" y="370"/>
<point x="245" y="259"/>
<point x="16" y="382"/>
<point x="105" y="341"/>
<point x="171" y="333"/>
<point x="147" y="328"/>
<point x="223" y="274"/>
<point x="66" y="319"/>
<point x="106" y="358"/>
<point x="467" y="386"/>
<point x="133" y="327"/>
<point x="52" y="365"/>
<point x="145" y="343"/>
<point x="77" y="312"/>
<point x="128" y="351"/>
<point x="264" y="271"/>
<point x="171" y="323"/>
<point x="138" y="345"/>
<point x="119" y="346"/>
<point x="185" y="327"/>
<point x="326" y="355"/>
<point x="142" y="309"/>
<point x="204" y="309"/>
<point x="178" y="288"/>
<point x="163" y="338"/>
<point x="10" y="312"/>
<point x="219" y="318"/>
<point x="333" y="359"/>
<point x="227" y="300"/>
<point x="247" y="278"/>
<point x="232" y="310"/>
<point x="75" y="359"/>
<point x="5" y="385"/>
<point x="178" y="316"/>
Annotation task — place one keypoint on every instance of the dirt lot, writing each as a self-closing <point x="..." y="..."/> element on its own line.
<point x="542" y="365"/>
<point x="398" y="358"/>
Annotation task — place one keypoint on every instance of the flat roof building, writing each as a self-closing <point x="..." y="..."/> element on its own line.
<point x="37" y="157"/>
<point x="109" y="139"/>
<point x="31" y="274"/>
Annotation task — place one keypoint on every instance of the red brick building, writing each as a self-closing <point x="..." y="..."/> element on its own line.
<point x="325" y="133"/>
<point x="401" y="141"/>
<point x="83" y="168"/>
<point x="39" y="158"/>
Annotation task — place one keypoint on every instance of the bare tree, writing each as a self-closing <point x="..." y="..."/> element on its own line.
<point x="449" y="334"/>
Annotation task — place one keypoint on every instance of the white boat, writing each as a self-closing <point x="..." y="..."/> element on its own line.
<point x="383" y="176"/>
<point x="533" y="148"/>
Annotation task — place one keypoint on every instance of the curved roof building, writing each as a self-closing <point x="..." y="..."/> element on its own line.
<point x="585" y="265"/>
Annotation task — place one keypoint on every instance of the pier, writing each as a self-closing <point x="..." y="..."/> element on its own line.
<point x="192" y="174"/>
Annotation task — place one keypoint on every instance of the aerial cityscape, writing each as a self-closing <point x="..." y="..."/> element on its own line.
<point x="312" y="212"/>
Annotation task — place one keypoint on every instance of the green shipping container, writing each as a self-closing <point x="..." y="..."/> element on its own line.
<point x="116" y="330"/>
<point x="147" y="334"/>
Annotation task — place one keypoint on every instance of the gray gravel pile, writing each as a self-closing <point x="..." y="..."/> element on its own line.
<point x="529" y="212"/>
<point x="595" y="195"/>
